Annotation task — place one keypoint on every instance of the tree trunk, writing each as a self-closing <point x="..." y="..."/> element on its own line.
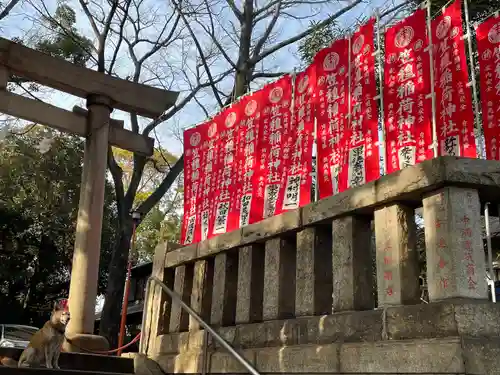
<point x="111" y="313"/>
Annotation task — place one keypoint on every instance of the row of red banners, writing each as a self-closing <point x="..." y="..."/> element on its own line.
<point x="254" y="159"/>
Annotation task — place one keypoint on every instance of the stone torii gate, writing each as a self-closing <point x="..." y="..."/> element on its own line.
<point x="103" y="93"/>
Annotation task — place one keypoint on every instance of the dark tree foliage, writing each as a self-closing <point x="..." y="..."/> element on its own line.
<point x="39" y="196"/>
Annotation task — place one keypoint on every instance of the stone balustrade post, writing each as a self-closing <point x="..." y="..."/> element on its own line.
<point x="397" y="256"/>
<point x="314" y="282"/>
<point x="224" y="290"/>
<point x="456" y="266"/>
<point x="352" y="264"/>
<point x="279" y="278"/>
<point x="158" y="303"/>
<point x="183" y="284"/>
<point x="250" y="291"/>
<point x="201" y="295"/>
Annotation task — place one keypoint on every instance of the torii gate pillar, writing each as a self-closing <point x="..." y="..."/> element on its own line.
<point x="85" y="271"/>
<point x="103" y="93"/>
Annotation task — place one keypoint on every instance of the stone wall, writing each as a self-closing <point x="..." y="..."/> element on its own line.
<point x="294" y="293"/>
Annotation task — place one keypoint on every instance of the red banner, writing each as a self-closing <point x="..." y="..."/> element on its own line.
<point x="275" y="126"/>
<point x="454" y="116"/>
<point x="407" y="110"/>
<point x="488" y="39"/>
<point x="297" y="154"/>
<point x="332" y="108"/>
<point x="247" y="159"/>
<point x="196" y="144"/>
<point x="226" y="188"/>
<point x="362" y="133"/>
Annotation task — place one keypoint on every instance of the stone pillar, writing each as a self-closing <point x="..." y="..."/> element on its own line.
<point x="352" y="264"/>
<point x="224" y="290"/>
<point x="279" y="279"/>
<point x="85" y="266"/>
<point x="201" y="296"/>
<point x="397" y="256"/>
<point x="183" y="284"/>
<point x="250" y="284"/>
<point x="158" y="303"/>
<point x="456" y="264"/>
<point x="313" y="289"/>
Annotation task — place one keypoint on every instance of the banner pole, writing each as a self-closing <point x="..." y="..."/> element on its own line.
<point x="433" y="92"/>
<point x="473" y="79"/>
<point x="345" y="152"/>
<point x="380" y="60"/>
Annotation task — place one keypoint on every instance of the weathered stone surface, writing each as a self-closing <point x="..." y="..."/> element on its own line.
<point x="224" y="289"/>
<point x="398" y="266"/>
<point x="225" y="362"/>
<point x="478" y="319"/>
<point x="249" y="296"/>
<point x="482" y="355"/>
<point x="454" y="248"/>
<point x="201" y="295"/>
<point x="272" y="226"/>
<point x="352" y="264"/>
<point x="301" y="359"/>
<point x="79" y="342"/>
<point x="144" y="365"/>
<point x="182" y="255"/>
<point x="279" y="278"/>
<point x="158" y="304"/>
<point x="424" y="321"/>
<point x="183" y="284"/>
<point x="345" y="327"/>
<point x="219" y="243"/>
<point x="313" y="288"/>
<point x="166" y="362"/>
<point x="421" y="321"/>
<point x="435" y="356"/>
<point x="189" y="362"/>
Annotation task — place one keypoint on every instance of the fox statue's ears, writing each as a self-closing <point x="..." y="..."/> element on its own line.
<point x="61" y="305"/>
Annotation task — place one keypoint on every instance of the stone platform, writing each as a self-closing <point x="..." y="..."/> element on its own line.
<point x="460" y="337"/>
<point x="333" y="287"/>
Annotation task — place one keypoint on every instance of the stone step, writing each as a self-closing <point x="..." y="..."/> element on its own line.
<point x="44" y="371"/>
<point x="84" y="362"/>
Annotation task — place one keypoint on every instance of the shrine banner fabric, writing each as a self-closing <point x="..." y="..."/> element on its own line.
<point x="332" y="109"/>
<point x="199" y="151"/>
<point x="454" y="116"/>
<point x="407" y="109"/>
<point x="297" y="154"/>
<point x="362" y="132"/>
<point x="275" y="128"/>
<point x="488" y="46"/>
<point x="247" y="159"/>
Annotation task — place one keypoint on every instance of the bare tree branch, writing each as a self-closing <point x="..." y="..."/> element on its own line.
<point x="165" y="185"/>
<point x="86" y="10"/>
<point x="267" y="32"/>
<point x="268" y="75"/>
<point x="235" y="9"/>
<point x="8" y="8"/>
<point x="303" y="34"/>
<point x="120" y="35"/>
<point x="200" y="50"/>
<point x="178" y="106"/>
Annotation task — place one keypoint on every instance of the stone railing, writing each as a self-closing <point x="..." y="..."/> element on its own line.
<point x="317" y="261"/>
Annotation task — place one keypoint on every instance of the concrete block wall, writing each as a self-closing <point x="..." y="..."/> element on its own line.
<point x="294" y="293"/>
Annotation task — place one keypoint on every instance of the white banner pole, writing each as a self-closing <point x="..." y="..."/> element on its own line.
<point x="380" y="60"/>
<point x="473" y="80"/>
<point x="433" y="93"/>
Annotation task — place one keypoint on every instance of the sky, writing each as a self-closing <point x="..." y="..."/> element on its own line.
<point x="20" y="23"/>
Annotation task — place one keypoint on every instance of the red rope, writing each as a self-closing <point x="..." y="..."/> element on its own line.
<point x="136" y="338"/>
